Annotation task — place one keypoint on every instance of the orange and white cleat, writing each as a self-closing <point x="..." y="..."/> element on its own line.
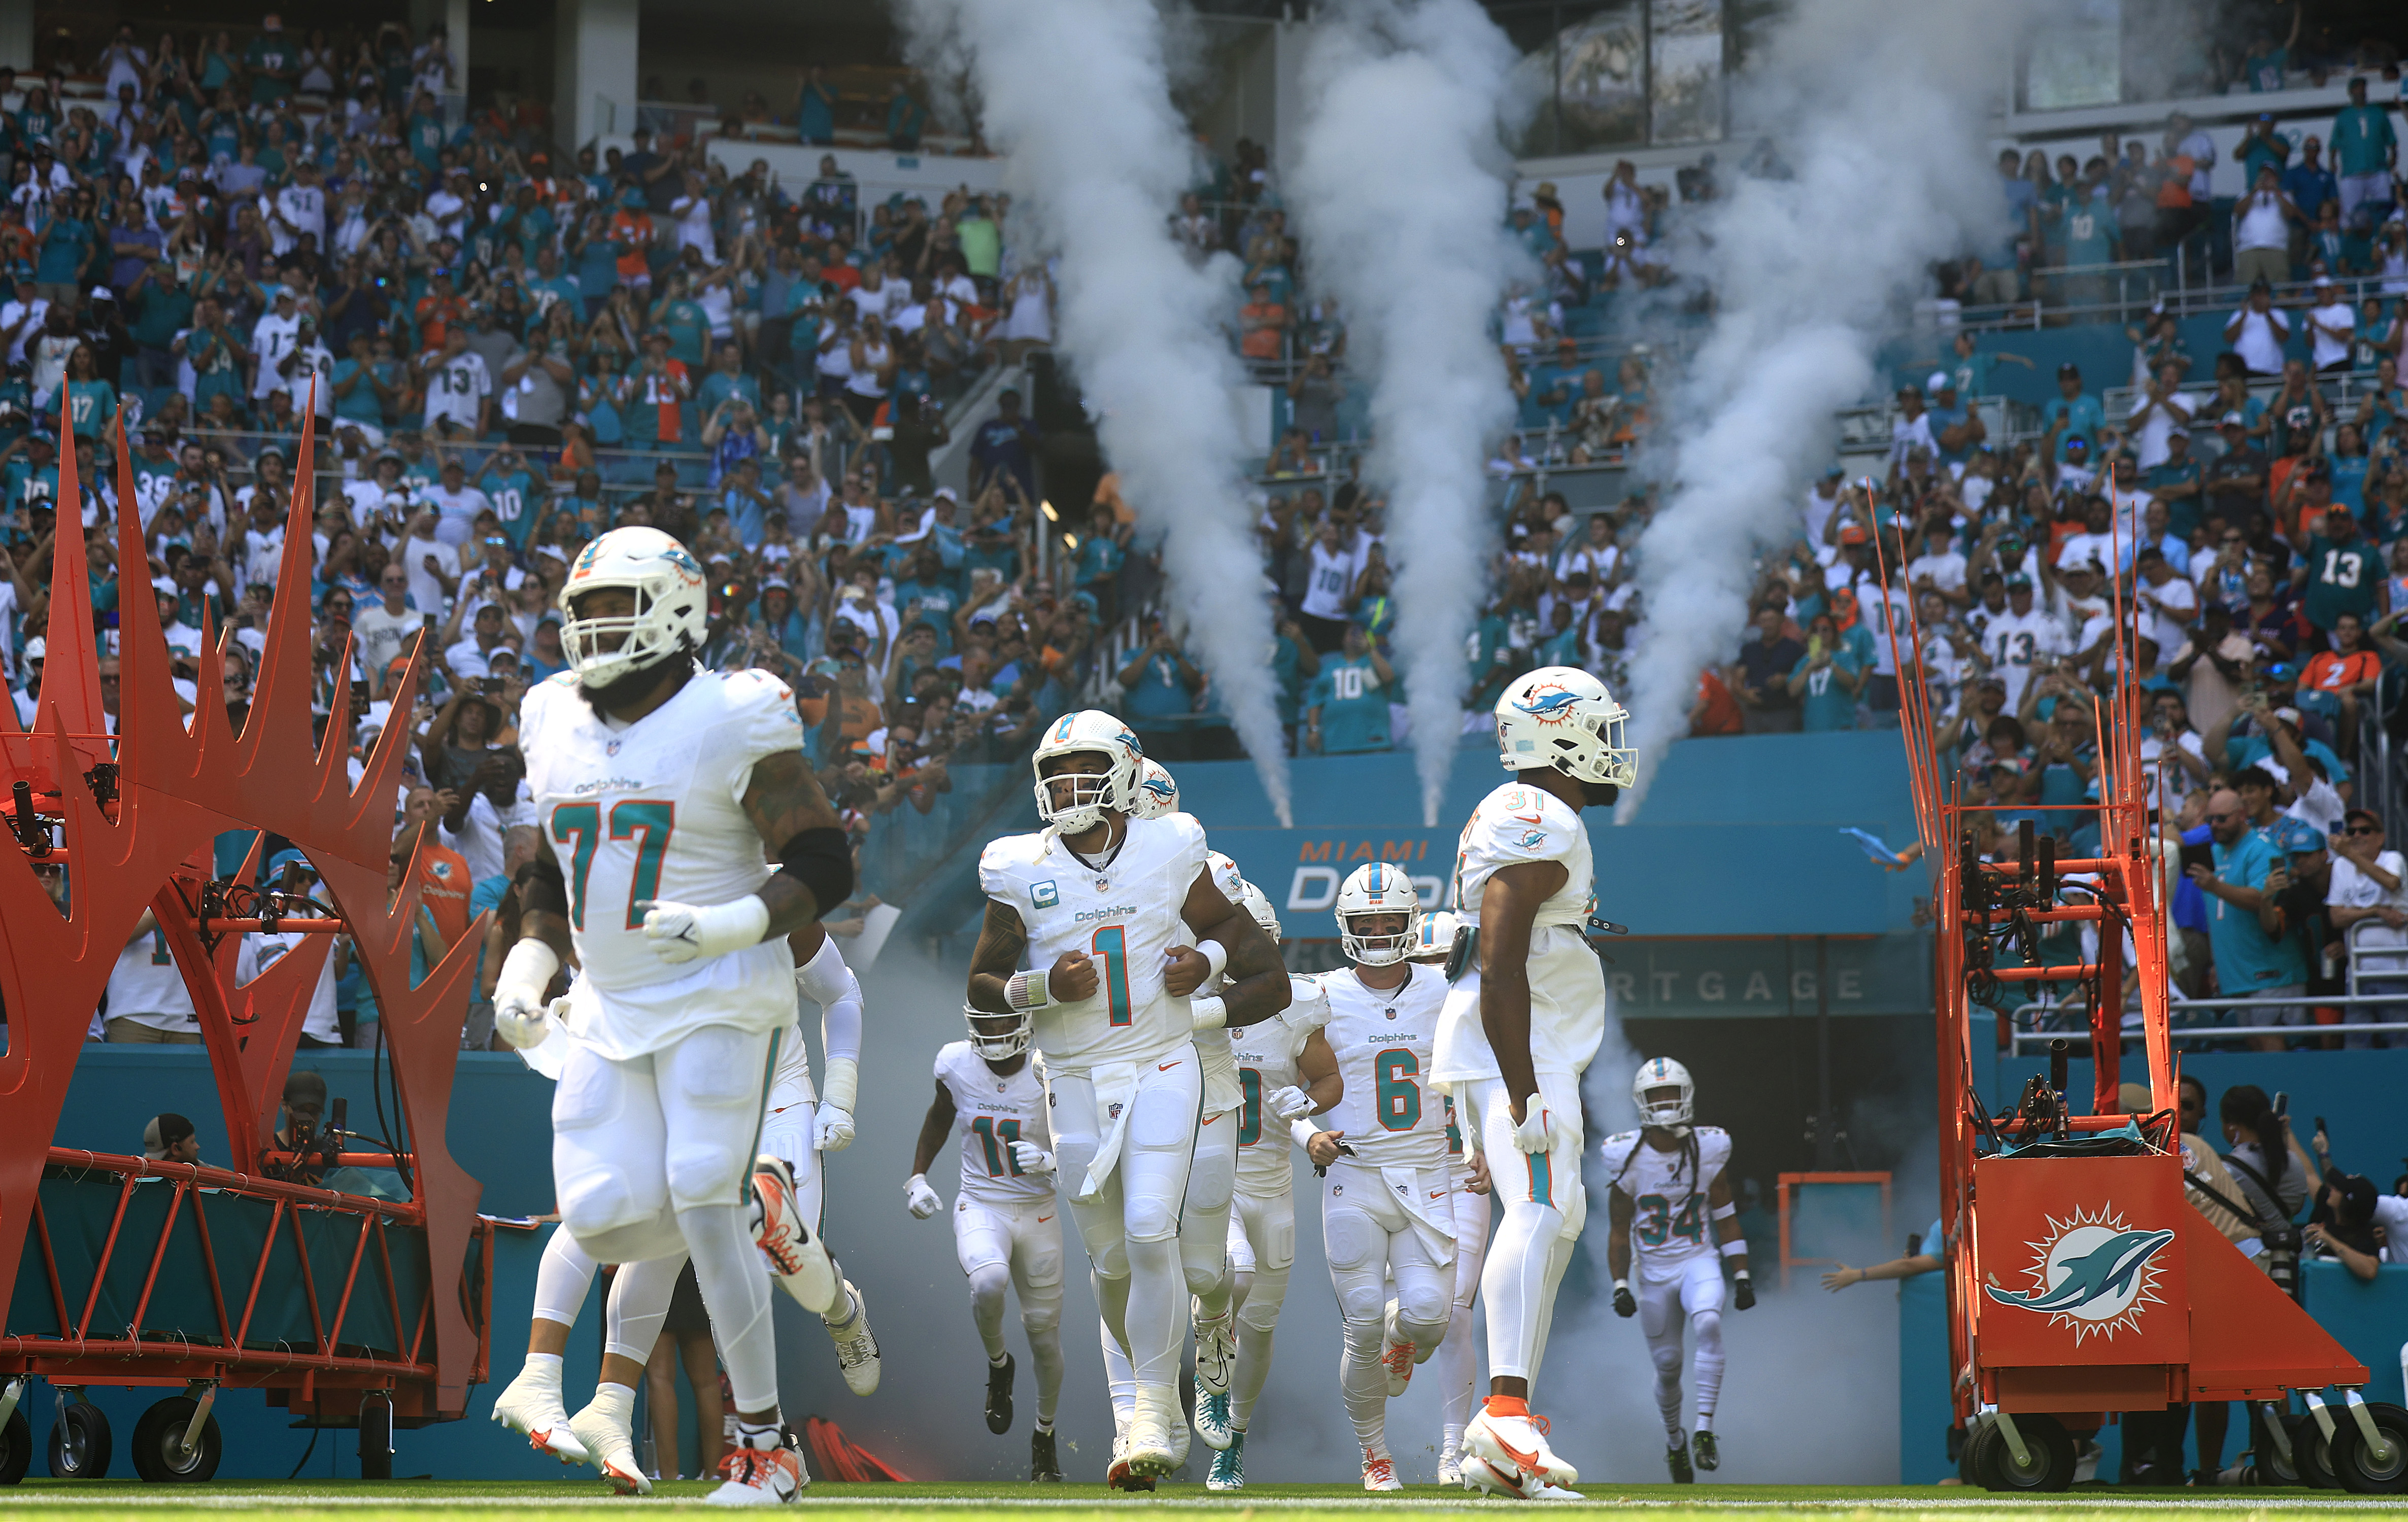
<point x="613" y="1446"/>
<point x="758" y="1478"/>
<point x="1511" y="1440"/>
<point x="1380" y="1473"/>
<point x="531" y="1406"/>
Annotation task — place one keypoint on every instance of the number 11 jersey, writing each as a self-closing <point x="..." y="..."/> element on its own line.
<point x="992" y="1111"/>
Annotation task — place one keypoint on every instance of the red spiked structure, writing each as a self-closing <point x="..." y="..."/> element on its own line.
<point x="2081" y="1281"/>
<point x="221" y="1276"/>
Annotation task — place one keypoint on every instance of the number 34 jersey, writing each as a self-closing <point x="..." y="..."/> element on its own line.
<point x="654" y="810"/>
<point x="1670" y="1222"/>
<point x="1125" y="915"/>
<point x="1383" y="1039"/>
<point x="992" y="1111"/>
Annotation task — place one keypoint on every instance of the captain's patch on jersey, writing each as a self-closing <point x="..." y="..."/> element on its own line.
<point x="1045" y="895"/>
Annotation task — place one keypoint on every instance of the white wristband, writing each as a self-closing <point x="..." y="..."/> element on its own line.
<point x="1620" y="1285"/>
<point x="1027" y="991"/>
<point x="1303" y="1131"/>
<point x="1736" y="1247"/>
<point x="1210" y="1013"/>
<point x="1723" y="1213"/>
<point x="843" y="1084"/>
<point x="1216" y="958"/>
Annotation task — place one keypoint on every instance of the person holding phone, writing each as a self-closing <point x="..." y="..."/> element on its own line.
<point x="2244" y="928"/>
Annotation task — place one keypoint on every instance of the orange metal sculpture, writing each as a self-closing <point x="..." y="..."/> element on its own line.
<point x="133" y="812"/>
<point x="2081" y="1281"/>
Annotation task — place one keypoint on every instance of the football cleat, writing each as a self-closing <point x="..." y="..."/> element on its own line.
<point x="1676" y="1458"/>
<point x="1482" y="1476"/>
<point x="1182" y="1439"/>
<point x="1229" y="1465"/>
<point x="1704" y="1450"/>
<point x="1152" y="1448"/>
<point x="1380" y="1473"/>
<point x="1120" y="1476"/>
<point x="531" y="1407"/>
<point x="613" y="1450"/>
<point x="758" y="1478"/>
<point x="1450" y="1465"/>
<point x="1042" y="1465"/>
<point x="798" y="1261"/>
<point x="1212" y="1418"/>
<point x="999" y="1395"/>
<point x="1216" y="1355"/>
<point x="856" y="1345"/>
<point x="1512" y="1437"/>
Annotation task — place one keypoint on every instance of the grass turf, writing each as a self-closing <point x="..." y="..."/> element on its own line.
<point x="827" y="1501"/>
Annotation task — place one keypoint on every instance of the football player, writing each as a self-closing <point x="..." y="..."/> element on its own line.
<point x="1455" y="1362"/>
<point x="1523" y="1019"/>
<point x="1007" y="1231"/>
<point x="1386" y="1207"/>
<point x="1101" y="906"/>
<point x="664" y="792"/>
<point x="1669" y="1183"/>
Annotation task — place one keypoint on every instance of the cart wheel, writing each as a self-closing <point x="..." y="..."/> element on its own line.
<point x="2051" y="1467"/>
<point x="1965" y="1436"/>
<point x="1973" y="1454"/>
<point x="79" y="1443"/>
<point x="16" y="1448"/>
<point x="2358" y="1471"/>
<point x="159" y="1454"/>
<point x="2314" y="1454"/>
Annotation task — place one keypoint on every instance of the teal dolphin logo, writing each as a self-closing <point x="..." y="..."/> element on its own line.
<point x="1549" y="707"/>
<point x="2093" y="1272"/>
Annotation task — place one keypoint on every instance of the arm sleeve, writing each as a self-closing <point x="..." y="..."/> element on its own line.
<point x="840" y="1022"/>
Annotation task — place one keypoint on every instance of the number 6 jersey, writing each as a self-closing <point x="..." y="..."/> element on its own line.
<point x="992" y="1111"/>
<point x="1670" y="1221"/>
<point x="1125" y="915"/>
<point x="1383" y="1039"/>
<point x="654" y="810"/>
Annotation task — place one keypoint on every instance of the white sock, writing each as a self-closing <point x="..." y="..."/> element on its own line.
<point x="616" y="1402"/>
<point x="761" y="1439"/>
<point x="850" y="1306"/>
<point x="545" y="1367"/>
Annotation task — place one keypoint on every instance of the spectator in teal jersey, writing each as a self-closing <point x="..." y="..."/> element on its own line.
<point x="1971" y="365"/>
<point x="2245" y="931"/>
<point x="1159" y="682"/>
<point x="1295" y="663"/>
<point x="2073" y="413"/>
<point x="1826" y="678"/>
<point x="2176" y="482"/>
<point x="518" y="495"/>
<point x="2086" y="229"/>
<point x="2263" y="64"/>
<point x="64" y="246"/>
<point x="905" y="118"/>
<point x="423" y="133"/>
<point x="271" y="62"/>
<point x="815" y="109"/>
<point x="1102" y="555"/>
<point x="92" y="402"/>
<point x="685" y="323"/>
<point x="1346" y="709"/>
<point x="2366" y="149"/>
<point x="157" y="309"/>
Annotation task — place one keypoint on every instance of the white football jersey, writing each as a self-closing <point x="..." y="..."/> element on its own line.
<point x="146" y="980"/>
<point x="1125" y="915"/>
<point x="1266" y="1053"/>
<point x="991" y="1112"/>
<point x="1383" y="1039"/>
<point x="1514" y="824"/>
<point x="1458" y="1161"/>
<point x="1670" y="1222"/>
<point x="321" y="1023"/>
<point x="654" y="810"/>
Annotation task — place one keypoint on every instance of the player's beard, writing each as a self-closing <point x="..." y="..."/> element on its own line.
<point x="621" y="691"/>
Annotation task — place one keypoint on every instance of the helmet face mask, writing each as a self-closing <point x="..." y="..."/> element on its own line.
<point x="1664" y="1093"/>
<point x="662" y="610"/>
<point x="1087" y="765"/>
<point x="1381" y="893"/>
<point x="997" y="1037"/>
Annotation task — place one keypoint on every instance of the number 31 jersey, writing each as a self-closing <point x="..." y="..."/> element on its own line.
<point x="1670" y="1222"/>
<point x="992" y="1111"/>
<point x="654" y="810"/>
<point x="1383" y="1039"/>
<point x="1125" y="915"/>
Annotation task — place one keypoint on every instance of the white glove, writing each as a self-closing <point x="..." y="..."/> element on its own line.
<point x="835" y="1129"/>
<point x="1288" y="1105"/>
<point x="1031" y="1158"/>
<point x="1536" y="1131"/>
<point x="683" y="932"/>
<point x="921" y="1200"/>
<point x="519" y="1015"/>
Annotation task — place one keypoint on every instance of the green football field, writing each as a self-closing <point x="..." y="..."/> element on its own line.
<point x="832" y="1503"/>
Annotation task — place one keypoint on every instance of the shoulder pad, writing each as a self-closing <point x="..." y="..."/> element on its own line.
<point x="950" y="1053"/>
<point x="1308" y="1007"/>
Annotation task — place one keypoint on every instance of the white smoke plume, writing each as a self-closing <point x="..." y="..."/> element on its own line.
<point x="1076" y="94"/>
<point x="1400" y="190"/>
<point x="1879" y="107"/>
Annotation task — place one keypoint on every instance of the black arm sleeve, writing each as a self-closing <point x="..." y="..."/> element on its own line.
<point x="822" y="861"/>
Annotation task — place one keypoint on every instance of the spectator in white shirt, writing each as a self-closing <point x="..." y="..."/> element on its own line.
<point x="1941" y="567"/>
<point x="272" y="337"/>
<point x="2157" y="412"/>
<point x="434" y="565"/>
<point x="2258" y="331"/>
<point x="457" y="501"/>
<point x="2331" y="326"/>
<point x="459" y="391"/>
<point x="2262" y="230"/>
<point x="1910" y="429"/>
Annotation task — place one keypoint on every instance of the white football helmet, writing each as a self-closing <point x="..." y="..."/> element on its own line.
<point x="999" y="1045"/>
<point x="1250" y="899"/>
<point x="1561" y="715"/>
<point x="1435" y="942"/>
<point x="672" y="604"/>
<point x="1377" y="888"/>
<point x="1091" y="795"/>
<point x="1157" y="795"/>
<point x="1662" y="1073"/>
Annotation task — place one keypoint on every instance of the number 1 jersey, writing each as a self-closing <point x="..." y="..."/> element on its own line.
<point x="1125" y="915"/>
<point x="654" y="810"/>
